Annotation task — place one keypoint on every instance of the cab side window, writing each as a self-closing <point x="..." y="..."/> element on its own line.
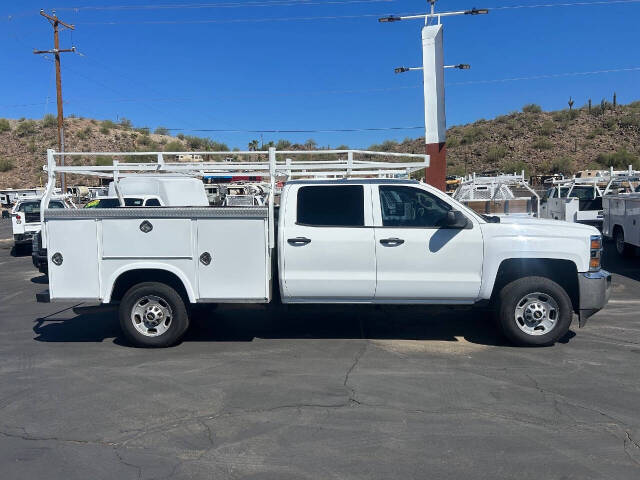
<point x="152" y="202"/>
<point x="404" y="206"/>
<point x="331" y="206"/>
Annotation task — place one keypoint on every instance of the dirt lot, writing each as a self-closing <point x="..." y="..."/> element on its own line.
<point x="315" y="393"/>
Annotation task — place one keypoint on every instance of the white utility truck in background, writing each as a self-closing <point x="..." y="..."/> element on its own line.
<point x="622" y="222"/>
<point x="340" y="238"/>
<point x="25" y="217"/>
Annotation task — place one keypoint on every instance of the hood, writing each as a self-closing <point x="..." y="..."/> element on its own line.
<point x="547" y="223"/>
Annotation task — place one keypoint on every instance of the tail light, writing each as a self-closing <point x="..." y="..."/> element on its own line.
<point x="595" y="245"/>
<point x="18" y="218"/>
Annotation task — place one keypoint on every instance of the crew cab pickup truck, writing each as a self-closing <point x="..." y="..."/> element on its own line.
<point x="367" y="241"/>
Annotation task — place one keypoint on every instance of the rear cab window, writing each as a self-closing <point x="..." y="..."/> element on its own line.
<point x="331" y="206"/>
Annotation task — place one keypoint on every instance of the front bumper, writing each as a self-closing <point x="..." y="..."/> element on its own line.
<point x="595" y="290"/>
<point x="23" y="238"/>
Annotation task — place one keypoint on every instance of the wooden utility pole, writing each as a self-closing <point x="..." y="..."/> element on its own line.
<point x="55" y="22"/>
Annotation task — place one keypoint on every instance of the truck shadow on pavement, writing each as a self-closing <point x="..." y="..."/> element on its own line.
<point x="614" y="263"/>
<point x="239" y="323"/>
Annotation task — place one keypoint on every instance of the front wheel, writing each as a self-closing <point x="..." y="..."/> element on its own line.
<point x="153" y="315"/>
<point x="534" y="311"/>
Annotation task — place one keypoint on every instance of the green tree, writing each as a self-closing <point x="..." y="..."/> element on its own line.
<point x="283" y="144"/>
<point x="161" y="131"/>
<point x="253" y="145"/>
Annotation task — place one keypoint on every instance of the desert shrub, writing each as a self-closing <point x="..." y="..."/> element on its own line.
<point x="542" y="144"/>
<point x="511" y="166"/>
<point x="5" y="165"/>
<point x="103" y="160"/>
<point x="595" y="132"/>
<point x="104" y="130"/>
<point x="532" y="108"/>
<point x="32" y="147"/>
<point x="564" y="165"/>
<point x="472" y="134"/>
<point x="620" y="159"/>
<point x="386" y="146"/>
<point x="142" y="130"/>
<point x="145" y="140"/>
<point x="180" y="136"/>
<point x="49" y="120"/>
<point x="495" y="153"/>
<point x="84" y="133"/>
<point x="93" y="121"/>
<point x="108" y="124"/>
<point x="565" y="115"/>
<point x="125" y="124"/>
<point x="453" y="142"/>
<point x="547" y="128"/>
<point x="5" y="126"/>
<point x="26" y="127"/>
<point x="161" y="131"/>
<point x="630" y="121"/>
<point x="610" y="123"/>
<point x="174" y="146"/>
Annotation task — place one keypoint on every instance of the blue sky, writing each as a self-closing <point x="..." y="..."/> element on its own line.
<point x="237" y="65"/>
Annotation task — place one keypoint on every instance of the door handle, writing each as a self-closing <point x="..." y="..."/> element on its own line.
<point x="298" y="241"/>
<point x="391" y="242"/>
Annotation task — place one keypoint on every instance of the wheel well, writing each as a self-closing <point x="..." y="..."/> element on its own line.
<point x="132" y="277"/>
<point x="617" y="228"/>
<point x="563" y="272"/>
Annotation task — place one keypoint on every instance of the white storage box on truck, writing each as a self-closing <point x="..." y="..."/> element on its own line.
<point x="622" y="222"/>
<point x="369" y="241"/>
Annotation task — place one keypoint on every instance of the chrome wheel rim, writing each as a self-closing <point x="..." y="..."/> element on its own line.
<point x="151" y="316"/>
<point x="537" y="313"/>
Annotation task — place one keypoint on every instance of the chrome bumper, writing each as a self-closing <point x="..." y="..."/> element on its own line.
<point x="595" y="290"/>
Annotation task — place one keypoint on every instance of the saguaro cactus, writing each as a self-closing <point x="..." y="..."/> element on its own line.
<point x="571" y="103"/>
<point x="615" y="100"/>
<point x="589" y="105"/>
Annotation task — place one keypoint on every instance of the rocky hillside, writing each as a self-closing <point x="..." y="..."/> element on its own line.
<point x="540" y="142"/>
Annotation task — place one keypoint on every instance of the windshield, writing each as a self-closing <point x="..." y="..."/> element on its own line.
<point x="34" y="207"/>
<point x="583" y="193"/>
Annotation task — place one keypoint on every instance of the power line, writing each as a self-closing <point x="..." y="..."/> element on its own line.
<point x="332" y="130"/>
<point x="547" y="76"/>
<point x="257" y="3"/>
<point x="569" y="4"/>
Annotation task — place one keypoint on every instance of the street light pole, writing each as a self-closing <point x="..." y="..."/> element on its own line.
<point x="433" y="78"/>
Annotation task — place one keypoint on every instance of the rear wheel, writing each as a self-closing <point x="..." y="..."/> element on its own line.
<point x="153" y="315"/>
<point x="534" y="311"/>
<point x="623" y="248"/>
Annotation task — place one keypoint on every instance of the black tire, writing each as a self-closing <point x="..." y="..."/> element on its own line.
<point x="623" y="248"/>
<point x="169" y="301"/>
<point x="514" y="293"/>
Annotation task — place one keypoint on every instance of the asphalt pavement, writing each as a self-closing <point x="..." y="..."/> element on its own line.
<point x="315" y="393"/>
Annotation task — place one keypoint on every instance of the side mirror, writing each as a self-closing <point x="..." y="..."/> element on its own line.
<point x="456" y="219"/>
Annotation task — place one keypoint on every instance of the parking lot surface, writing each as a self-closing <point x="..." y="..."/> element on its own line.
<point x="314" y="392"/>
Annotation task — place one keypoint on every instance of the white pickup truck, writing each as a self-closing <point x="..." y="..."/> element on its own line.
<point x="356" y="240"/>
<point x="25" y="217"/>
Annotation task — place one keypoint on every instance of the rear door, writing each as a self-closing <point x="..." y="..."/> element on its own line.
<point x="327" y="250"/>
<point x="418" y="257"/>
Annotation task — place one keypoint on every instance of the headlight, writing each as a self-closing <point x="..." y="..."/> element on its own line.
<point x="595" y="252"/>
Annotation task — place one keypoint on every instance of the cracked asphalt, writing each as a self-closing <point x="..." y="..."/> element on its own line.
<point x="310" y="392"/>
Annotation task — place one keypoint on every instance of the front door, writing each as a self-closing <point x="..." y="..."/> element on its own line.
<point x="327" y="246"/>
<point x="418" y="257"/>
